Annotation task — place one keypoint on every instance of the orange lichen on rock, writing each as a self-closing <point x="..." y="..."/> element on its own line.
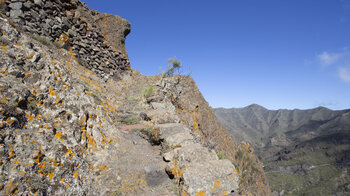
<point x="234" y="170"/>
<point x="201" y="193"/>
<point x="51" y="176"/>
<point x="52" y="92"/>
<point x="217" y="184"/>
<point x="64" y="40"/>
<point x="76" y="175"/>
<point x="58" y="134"/>
<point x="4" y="72"/>
<point x="28" y="75"/>
<point x="175" y="171"/>
<point x="11" y="152"/>
<point x="11" y="188"/>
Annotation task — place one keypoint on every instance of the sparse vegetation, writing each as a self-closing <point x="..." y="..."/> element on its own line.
<point x="129" y="119"/>
<point x="307" y="172"/>
<point x="45" y="40"/>
<point x="32" y="106"/>
<point x="239" y="154"/>
<point x="173" y="66"/>
<point x="221" y="156"/>
<point x="175" y="189"/>
<point x="117" y="193"/>
<point x="147" y="91"/>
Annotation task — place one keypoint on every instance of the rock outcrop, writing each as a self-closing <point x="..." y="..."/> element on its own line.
<point x="199" y="167"/>
<point x="50" y="125"/>
<point x="195" y="112"/>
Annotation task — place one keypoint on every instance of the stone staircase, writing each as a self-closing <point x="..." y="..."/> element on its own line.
<point x="197" y="168"/>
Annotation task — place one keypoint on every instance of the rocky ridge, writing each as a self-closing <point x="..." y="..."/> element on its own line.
<point x="196" y="113"/>
<point x="302" y="150"/>
<point x="56" y="140"/>
<point x="67" y="128"/>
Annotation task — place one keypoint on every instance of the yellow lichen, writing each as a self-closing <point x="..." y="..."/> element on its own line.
<point x="4" y="72"/>
<point x="52" y="92"/>
<point x="201" y="193"/>
<point x="11" y="152"/>
<point x="28" y="75"/>
<point x="234" y="170"/>
<point x="58" y="134"/>
<point x="88" y="93"/>
<point x="51" y="176"/>
<point x="31" y="55"/>
<point x="76" y="175"/>
<point x="64" y="39"/>
<point x="30" y="118"/>
<point x="217" y="184"/>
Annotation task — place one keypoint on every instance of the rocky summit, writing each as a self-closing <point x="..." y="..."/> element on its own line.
<point x="75" y="119"/>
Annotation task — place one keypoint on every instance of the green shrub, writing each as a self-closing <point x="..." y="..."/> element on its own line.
<point x="239" y="154"/>
<point x="117" y="193"/>
<point x="173" y="66"/>
<point x="147" y="91"/>
<point x="44" y="40"/>
<point x="130" y="120"/>
<point x="221" y="156"/>
<point x="32" y="106"/>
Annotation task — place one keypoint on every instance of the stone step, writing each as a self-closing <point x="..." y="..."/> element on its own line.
<point x="198" y="167"/>
<point x="217" y="177"/>
<point x="174" y="135"/>
<point x="190" y="154"/>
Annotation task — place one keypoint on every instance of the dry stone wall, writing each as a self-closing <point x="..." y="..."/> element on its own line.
<point x="73" y="26"/>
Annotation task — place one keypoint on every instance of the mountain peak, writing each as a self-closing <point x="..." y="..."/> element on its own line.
<point x="255" y="106"/>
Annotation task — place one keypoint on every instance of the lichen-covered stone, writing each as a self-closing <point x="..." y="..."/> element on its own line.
<point x="198" y="167"/>
<point x="72" y="25"/>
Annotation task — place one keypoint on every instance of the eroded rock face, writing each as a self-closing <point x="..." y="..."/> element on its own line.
<point x="97" y="40"/>
<point x="115" y="29"/>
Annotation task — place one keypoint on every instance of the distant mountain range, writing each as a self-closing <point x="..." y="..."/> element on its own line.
<point x="293" y="144"/>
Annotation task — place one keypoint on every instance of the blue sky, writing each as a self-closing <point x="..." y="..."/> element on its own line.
<point x="279" y="54"/>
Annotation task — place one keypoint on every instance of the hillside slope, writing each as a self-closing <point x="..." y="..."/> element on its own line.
<point x="76" y="119"/>
<point x="302" y="150"/>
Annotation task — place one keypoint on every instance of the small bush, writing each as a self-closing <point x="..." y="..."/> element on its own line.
<point x="44" y="40"/>
<point x="32" y="106"/>
<point x="130" y="120"/>
<point x="147" y="91"/>
<point x="117" y="193"/>
<point x="174" y="66"/>
<point x="239" y="154"/>
<point x="221" y="156"/>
